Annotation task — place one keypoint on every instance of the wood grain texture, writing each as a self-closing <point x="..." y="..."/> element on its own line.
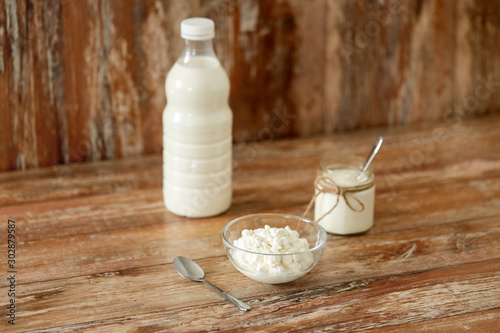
<point x="84" y="80"/>
<point x="96" y="244"/>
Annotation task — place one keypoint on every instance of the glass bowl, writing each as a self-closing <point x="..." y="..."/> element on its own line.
<point x="274" y="268"/>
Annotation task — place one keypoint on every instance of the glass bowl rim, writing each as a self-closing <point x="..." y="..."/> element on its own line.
<point x="303" y="219"/>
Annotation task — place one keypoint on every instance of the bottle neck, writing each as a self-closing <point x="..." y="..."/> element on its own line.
<point x="196" y="48"/>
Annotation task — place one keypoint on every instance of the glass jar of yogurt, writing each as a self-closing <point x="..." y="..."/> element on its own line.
<point x="344" y="203"/>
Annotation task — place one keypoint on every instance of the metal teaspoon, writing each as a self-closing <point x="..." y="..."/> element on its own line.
<point x="191" y="271"/>
<point x="376" y="147"/>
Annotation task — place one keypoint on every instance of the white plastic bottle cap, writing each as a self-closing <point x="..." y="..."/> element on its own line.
<point x="197" y="28"/>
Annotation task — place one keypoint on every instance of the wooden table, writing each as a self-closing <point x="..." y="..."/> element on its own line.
<point x="95" y="245"/>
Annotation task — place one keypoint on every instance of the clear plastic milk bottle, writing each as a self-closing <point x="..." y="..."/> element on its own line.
<point x="197" y="128"/>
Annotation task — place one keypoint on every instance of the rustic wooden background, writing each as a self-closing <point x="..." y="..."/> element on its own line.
<point x="84" y="79"/>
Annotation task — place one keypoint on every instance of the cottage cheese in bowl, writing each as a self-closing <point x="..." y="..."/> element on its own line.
<point x="274" y="254"/>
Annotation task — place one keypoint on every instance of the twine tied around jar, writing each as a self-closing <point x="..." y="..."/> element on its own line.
<point x="324" y="184"/>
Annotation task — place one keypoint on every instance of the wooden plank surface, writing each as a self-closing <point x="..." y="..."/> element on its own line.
<point x="96" y="245"/>
<point x="84" y="80"/>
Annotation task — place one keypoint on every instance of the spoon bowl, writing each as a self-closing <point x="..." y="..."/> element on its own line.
<point x="189" y="269"/>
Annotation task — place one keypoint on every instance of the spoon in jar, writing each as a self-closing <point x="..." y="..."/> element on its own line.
<point x="191" y="271"/>
<point x="376" y="147"/>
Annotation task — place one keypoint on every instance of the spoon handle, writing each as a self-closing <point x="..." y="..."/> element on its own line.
<point x="233" y="300"/>
<point x="375" y="149"/>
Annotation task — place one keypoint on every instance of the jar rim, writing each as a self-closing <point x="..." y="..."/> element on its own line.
<point x="349" y="162"/>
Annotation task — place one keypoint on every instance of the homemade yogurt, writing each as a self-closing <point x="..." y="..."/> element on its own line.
<point x="277" y="254"/>
<point x="345" y="220"/>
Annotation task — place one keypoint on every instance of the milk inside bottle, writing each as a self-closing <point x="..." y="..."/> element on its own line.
<point x="197" y="128"/>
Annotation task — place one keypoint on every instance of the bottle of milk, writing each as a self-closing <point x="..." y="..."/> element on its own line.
<point x="197" y="128"/>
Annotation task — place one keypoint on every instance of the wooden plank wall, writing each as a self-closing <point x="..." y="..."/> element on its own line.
<point x="84" y="79"/>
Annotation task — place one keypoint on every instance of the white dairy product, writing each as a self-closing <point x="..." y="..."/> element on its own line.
<point x="197" y="128"/>
<point x="271" y="259"/>
<point x="343" y="220"/>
